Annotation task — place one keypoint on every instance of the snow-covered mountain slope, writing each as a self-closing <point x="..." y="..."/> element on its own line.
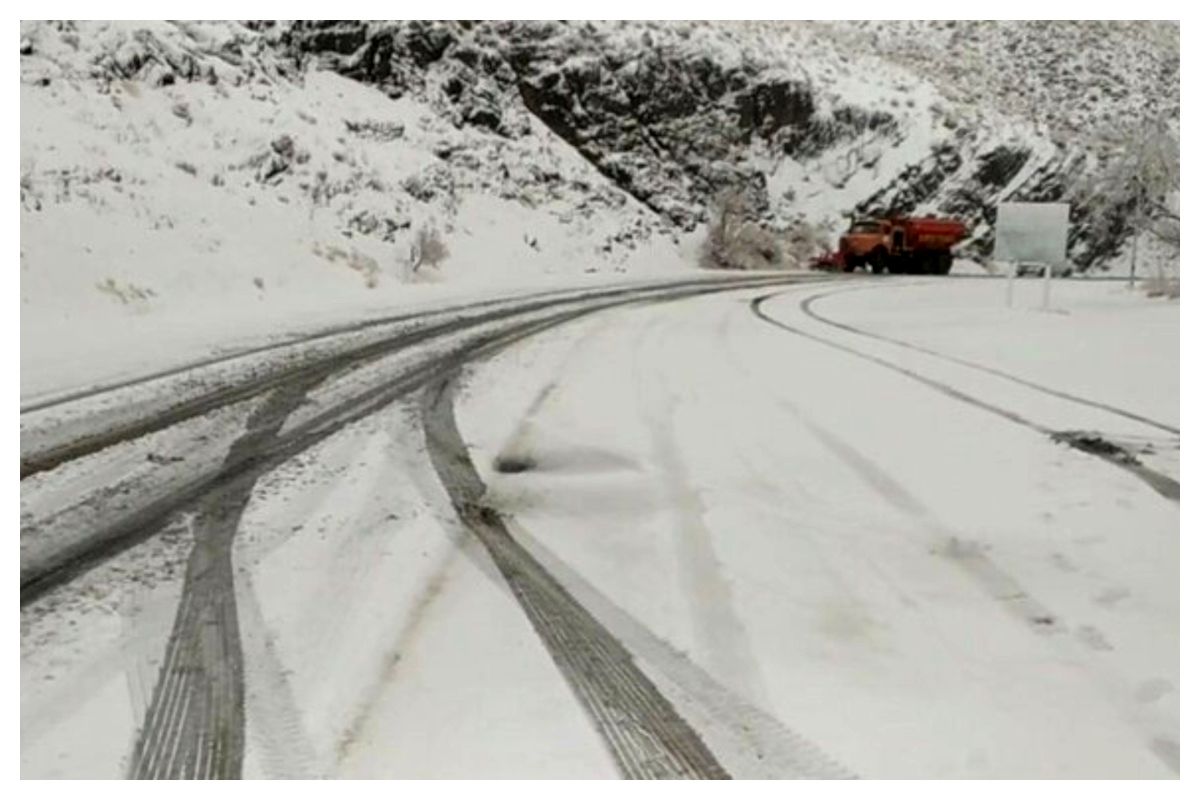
<point x="182" y="167"/>
<point x="231" y="167"/>
<point x="813" y="120"/>
<point x="1079" y="78"/>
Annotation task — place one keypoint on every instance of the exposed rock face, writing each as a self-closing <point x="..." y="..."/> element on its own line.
<point x="675" y="128"/>
<point x="669" y="124"/>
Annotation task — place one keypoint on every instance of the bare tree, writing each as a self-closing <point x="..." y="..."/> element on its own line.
<point x="1138" y="188"/>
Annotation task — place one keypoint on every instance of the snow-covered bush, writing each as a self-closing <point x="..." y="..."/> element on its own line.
<point x="735" y="240"/>
<point x="803" y="241"/>
<point x="1164" y="285"/>
<point x="427" y="250"/>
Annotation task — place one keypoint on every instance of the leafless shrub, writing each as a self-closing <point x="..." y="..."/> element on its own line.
<point x="1162" y="285"/>
<point x="427" y="250"/>
<point x="127" y="293"/>
<point x="363" y="264"/>
<point x="367" y="267"/>
<point x="382" y="131"/>
<point x="29" y="198"/>
<point x="802" y="242"/>
<point x="735" y="240"/>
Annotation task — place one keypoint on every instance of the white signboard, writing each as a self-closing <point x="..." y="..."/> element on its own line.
<point x="1032" y="232"/>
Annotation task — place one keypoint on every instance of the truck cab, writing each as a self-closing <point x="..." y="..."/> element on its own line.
<point x="867" y="241"/>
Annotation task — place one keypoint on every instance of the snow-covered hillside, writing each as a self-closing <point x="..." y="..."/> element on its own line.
<point x="251" y="169"/>
<point x="189" y="167"/>
<point x="1077" y="77"/>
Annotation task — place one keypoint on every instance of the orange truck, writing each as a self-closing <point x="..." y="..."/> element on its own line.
<point x="901" y="245"/>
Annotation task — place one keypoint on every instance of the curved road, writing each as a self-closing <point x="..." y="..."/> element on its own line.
<point x="688" y="530"/>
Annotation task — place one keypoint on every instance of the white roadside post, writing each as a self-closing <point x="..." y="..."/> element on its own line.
<point x="1046" y="287"/>
<point x="1008" y="283"/>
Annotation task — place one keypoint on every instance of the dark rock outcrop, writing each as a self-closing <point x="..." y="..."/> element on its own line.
<point x="669" y="125"/>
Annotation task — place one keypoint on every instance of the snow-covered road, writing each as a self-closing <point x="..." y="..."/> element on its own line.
<point x="821" y="530"/>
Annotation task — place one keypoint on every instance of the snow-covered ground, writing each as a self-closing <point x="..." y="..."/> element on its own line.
<point x="1100" y="340"/>
<point x="914" y="585"/>
<point x="172" y="218"/>
<point x="826" y="566"/>
<point x="130" y="347"/>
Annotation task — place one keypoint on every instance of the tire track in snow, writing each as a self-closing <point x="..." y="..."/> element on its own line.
<point x="645" y="734"/>
<point x="973" y="560"/>
<point x="796" y="489"/>
<point x="758" y="744"/>
<point x="717" y="629"/>
<point x="514" y="455"/>
<point x="195" y="724"/>
<point x="404" y="637"/>
<point x="52" y="399"/>
<point x="49" y="458"/>
<point x="57" y="563"/>
<point x="130" y="652"/>
<point x="427" y="326"/>
<point x="276" y="723"/>
<point x="774" y="749"/>
<point x="807" y="307"/>
<point x="1162" y="484"/>
<point x="969" y="556"/>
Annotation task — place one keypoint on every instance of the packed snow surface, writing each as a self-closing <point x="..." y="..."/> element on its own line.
<point x="826" y="566"/>
<point x="917" y="586"/>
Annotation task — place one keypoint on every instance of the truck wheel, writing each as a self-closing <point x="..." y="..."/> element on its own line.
<point x="878" y="261"/>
